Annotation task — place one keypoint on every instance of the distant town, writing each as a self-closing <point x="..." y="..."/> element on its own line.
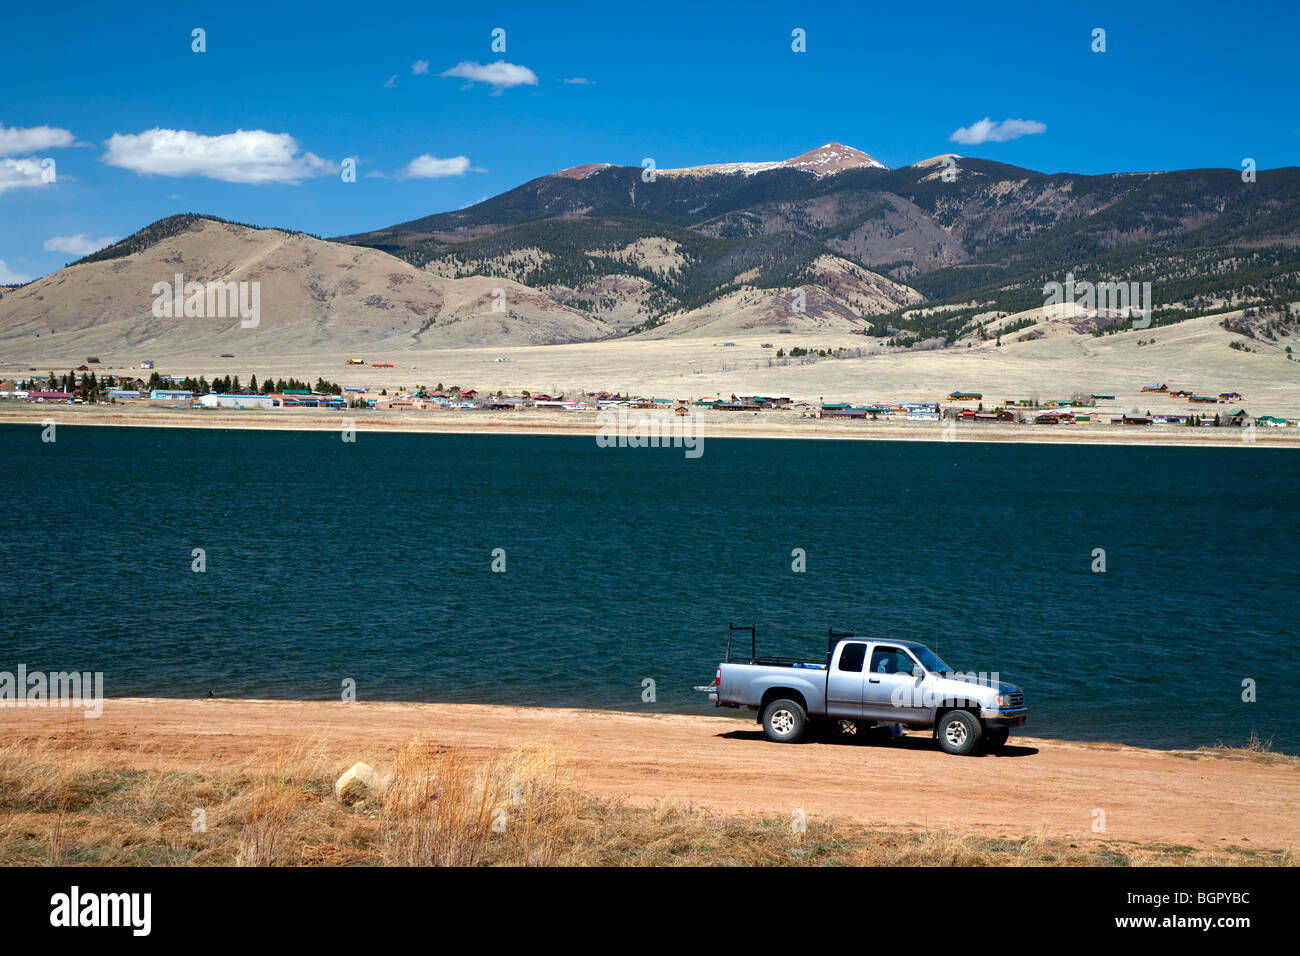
<point x="93" y="383"/>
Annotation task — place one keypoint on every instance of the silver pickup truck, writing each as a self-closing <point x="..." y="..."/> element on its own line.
<point x="864" y="681"/>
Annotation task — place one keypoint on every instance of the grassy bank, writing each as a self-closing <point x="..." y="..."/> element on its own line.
<point x="65" y="803"/>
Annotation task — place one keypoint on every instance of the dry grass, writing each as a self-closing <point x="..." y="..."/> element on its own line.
<point x="438" y="808"/>
<point x="1257" y="750"/>
<point x="63" y="802"/>
<point x="277" y="798"/>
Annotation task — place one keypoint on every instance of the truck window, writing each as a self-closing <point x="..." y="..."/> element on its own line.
<point x="852" y="656"/>
<point x="891" y="660"/>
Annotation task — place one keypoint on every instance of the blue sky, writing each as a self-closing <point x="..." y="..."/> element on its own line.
<point x="1180" y="85"/>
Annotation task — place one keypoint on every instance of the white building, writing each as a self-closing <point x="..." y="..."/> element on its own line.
<point x="237" y="401"/>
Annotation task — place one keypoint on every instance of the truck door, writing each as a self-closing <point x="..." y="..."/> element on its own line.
<point x="844" y="680"/>
<point x="890" y="692"/>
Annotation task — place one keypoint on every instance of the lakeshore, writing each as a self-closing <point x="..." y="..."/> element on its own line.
<point x="1242" y="807"/>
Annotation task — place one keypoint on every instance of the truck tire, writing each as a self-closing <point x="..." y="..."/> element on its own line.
<point x="958" y="732"/>
<point x="995" y="738"/>
<point x="784" y="721"/>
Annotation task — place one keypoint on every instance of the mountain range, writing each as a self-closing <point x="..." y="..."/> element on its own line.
<point x="929" y="254"/>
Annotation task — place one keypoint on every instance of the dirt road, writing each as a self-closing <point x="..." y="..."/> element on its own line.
<point x="725" y="764"/>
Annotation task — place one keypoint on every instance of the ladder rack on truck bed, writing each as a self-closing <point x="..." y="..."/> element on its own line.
<point x="832" y="636"/>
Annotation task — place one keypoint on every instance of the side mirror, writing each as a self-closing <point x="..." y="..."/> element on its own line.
<point x="918" y="672"/>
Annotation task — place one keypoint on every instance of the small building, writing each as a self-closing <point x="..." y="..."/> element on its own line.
<point x="965" y="396"/>
<point x="1271" y="421"/>
<point x="298" y="399"/>
<point x="237" y="401"/>
<point x="147" y="363"/>
<point x="1157" y="387"/>
<point x="123" y="394"/>
<point x="1098" y="397"/>
<point x="171" y="395"/>
<point x="1204" y="399"/>
<point x="50" y="396"/>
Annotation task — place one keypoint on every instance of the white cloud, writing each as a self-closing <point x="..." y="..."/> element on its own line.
<point x="986" y="131"/>
<point x="244" y="156"/>
<point x="576" y="80"/>
<point x="431" y="167"/>
<point x="500" y="75"/>
<point x="420" y="67"/>
<point x="391" y="82"/>
<point x="9" y="277"/>
<point x="16" y="173"/>
<point x="33" y="139"/>
<point x="78" y="245"/>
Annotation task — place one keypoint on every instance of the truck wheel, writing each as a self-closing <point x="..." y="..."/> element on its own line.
<point x="995" y="738"/>
<point x="784" y="721"/>
<point x="958" y="732"/>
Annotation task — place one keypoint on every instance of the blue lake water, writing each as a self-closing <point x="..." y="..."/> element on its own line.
<point x="372" y="561"/>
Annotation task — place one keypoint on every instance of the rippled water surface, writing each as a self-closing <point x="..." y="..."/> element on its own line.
<point x="372" y="561"/>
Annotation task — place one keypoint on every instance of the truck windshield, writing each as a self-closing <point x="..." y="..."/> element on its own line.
<point x="930" y="660"/>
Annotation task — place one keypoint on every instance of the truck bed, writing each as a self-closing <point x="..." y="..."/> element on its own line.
<point x="785" y="662"/>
